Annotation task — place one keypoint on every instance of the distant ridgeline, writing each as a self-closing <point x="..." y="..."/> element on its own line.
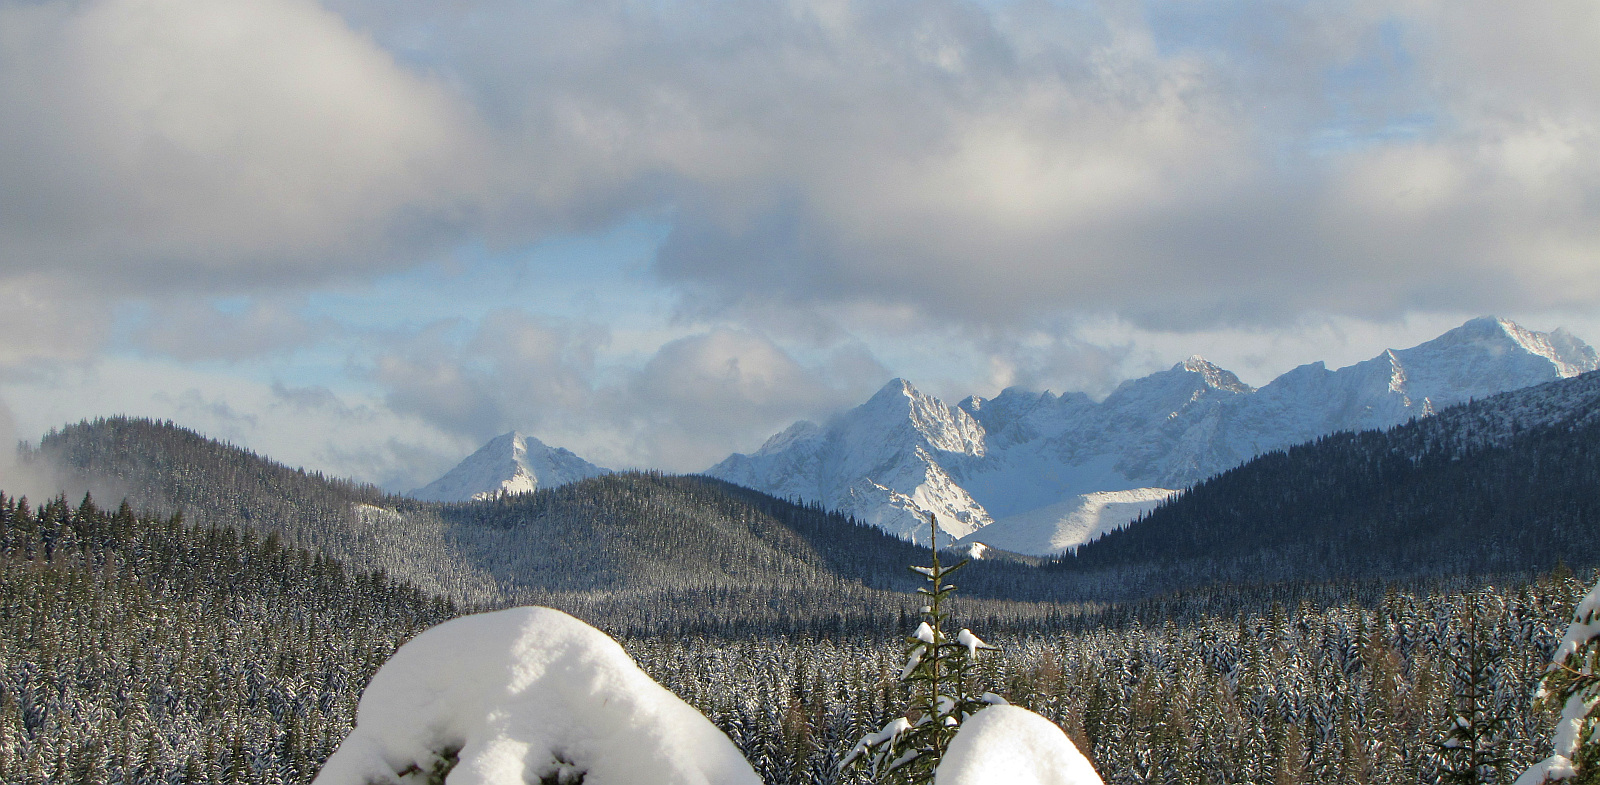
<point x="636" y="551"/>
<point x="1504" y="485"/>
<point x="1507" y="484"/>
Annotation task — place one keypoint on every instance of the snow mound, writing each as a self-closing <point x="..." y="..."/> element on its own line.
<point x="527" y="695"/>
<point x="1009" y="745"/>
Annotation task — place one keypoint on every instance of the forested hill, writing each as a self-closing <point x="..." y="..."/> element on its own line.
<point x="637" y="551"/>
<point x="138" y="650"/>
<point x="162" y="469"/>
<point x="1506" y="484"/>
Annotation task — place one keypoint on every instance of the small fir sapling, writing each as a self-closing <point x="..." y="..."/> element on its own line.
<point x="907" y="749"/>
<point x="1572" y="682"/>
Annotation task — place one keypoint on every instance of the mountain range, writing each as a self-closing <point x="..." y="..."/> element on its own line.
<point x="1039" y="473"/>
<point x="1502" y="485"/>
<point x="1022" y="471"/>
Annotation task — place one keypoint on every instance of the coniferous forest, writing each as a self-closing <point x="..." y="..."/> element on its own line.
<point x="220" y="625"/>
<point x="141" y="650"/>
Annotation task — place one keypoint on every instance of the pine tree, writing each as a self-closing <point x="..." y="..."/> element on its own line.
<point x="908" y="749"/>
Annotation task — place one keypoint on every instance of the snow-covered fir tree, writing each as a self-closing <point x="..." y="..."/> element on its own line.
<point x="937" y="669"/>
<point x="1572" y="683"/>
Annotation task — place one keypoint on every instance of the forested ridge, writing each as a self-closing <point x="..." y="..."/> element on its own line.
<point x="1503" y="485"/>
<point x="641" y="551"/>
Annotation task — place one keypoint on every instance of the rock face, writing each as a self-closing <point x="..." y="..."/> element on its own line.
<point x="883" y="462"/>
<point x="1001" y="462"/>
<point x="510" y="463"/>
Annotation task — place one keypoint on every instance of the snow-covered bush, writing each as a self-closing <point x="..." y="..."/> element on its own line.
<point x="526" y="695"/>
<point x="1009" y="745"/>
<point x="1573" y="683"/>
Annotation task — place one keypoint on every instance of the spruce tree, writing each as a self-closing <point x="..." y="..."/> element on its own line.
<point x="907" y="750"/>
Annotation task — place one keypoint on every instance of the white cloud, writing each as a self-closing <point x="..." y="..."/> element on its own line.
<point x="695" y="399"/>
<point x="979" y="161"/>
<point x="183" y="142"/>
<point x="188" y="329"/>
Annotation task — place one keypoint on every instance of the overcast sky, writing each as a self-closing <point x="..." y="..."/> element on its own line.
<point x="366" y="236"/>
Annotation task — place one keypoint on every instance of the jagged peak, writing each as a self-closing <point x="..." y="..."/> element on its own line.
<point x="896" y="386"/>
<point x="1215" y="375"/>
<point x="507" y="438"/>
<point x="1570" y="355"/>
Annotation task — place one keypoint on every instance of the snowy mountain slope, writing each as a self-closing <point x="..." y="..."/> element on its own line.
<point x="904" y="454"/>
<point x="1060" y="527"/>
<point x="882" y="462"/>
<point x="510" y="463"/>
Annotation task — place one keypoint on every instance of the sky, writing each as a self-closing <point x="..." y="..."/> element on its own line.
<point x="365" y="237"/>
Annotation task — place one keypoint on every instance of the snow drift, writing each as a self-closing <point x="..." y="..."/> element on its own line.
<point x="527" y="695"/>
<point x="1009" y="745"/>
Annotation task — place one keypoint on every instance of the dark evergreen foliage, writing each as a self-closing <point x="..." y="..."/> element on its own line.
<point x="1341" y="695"/>
<point x="1500" y="486"/>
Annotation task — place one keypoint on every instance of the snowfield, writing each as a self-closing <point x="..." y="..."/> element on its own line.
<point x="1061" y="528"/>
<point x="527" y="694"/>
<point x="531" y="695"/>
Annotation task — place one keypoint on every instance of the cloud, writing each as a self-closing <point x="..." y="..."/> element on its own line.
<point x="48" y="322"/>
<point x="180" y="143"/>
<point x="693" y="401"/>
<point x="193" y="330"/>
<point x="512" y="370"/>
<point x="706" y="395"/>
<point x="986" y="163"/>
<point x="992" y="163"/>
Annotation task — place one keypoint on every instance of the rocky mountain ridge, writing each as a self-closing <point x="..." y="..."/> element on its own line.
<point x="978" y="464"/>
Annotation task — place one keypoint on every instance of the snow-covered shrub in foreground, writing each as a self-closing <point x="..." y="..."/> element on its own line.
<point x="1009" y="745"/>
<point x="527" y="695"/>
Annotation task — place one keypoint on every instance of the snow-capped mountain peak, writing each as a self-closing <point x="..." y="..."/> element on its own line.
<point x="1214" y="375"/>
<point x="509" y="463"/>
<point x="904" y="454"/>
<point x="883" y="461"/>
